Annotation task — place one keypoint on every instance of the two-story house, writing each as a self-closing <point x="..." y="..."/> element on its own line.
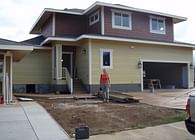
<point x="134" y="45"/>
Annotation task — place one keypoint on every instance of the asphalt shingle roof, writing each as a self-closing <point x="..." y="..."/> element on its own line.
<point x="9" y="42"/>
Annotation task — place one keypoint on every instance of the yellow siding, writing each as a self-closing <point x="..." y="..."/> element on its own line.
<point x="82" y="62"/>
<point x="127" y="55"/>
<point x="33" y="69"/>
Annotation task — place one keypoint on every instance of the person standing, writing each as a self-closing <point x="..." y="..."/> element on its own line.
<point x="105" y="84"/>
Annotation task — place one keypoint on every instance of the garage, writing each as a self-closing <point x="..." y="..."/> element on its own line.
<point x="165" y="75"/>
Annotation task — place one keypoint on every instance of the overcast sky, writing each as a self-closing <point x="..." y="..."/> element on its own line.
<point x="18" y="16"/>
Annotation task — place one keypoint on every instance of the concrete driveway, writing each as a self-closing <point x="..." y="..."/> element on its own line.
<point x="174" y="131"/>
<point x="175" y="98"/>
<point x="28" y="121"/>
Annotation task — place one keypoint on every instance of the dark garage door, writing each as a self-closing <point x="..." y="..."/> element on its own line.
<point x="170" y="74"/>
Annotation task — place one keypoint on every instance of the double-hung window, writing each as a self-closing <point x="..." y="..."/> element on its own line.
<point x="157" y="25"/>
<point x="106" y="58"/>
<point x="121" y="19"/>
<point x="94" y="18"/>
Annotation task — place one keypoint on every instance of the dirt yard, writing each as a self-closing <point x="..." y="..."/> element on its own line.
<point x="106" y="117"/>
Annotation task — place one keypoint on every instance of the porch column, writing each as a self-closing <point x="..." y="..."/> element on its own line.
<point x="57" y="61"/>
<point x="7" y="78"/>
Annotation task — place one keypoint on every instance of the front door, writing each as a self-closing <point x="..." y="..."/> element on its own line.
<point x="67" y="61"/>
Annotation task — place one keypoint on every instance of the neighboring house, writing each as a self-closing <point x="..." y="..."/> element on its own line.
<point x="132" y="44"/>
<point x="10" y="52"/>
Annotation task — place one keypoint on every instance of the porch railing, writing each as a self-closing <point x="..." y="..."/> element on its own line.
<point x="66" y="75"/>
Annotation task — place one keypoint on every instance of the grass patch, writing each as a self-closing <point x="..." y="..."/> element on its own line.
<point x="181" y="116"/>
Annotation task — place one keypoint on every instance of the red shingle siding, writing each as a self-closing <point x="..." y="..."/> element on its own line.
<point x="75" y="25"/>
<point x="95" y="28"/>
<point x="46" y="29"/>
<point x="69" y="24"/>
<point x="140" y="27"/>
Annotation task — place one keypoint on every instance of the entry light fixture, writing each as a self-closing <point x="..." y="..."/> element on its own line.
<point x="191" y="66"/>
<point x="84" y="51"/>
<point x="139" y="65"/>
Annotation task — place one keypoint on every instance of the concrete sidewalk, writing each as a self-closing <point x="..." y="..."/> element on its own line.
<point x="174" y="131"/>
<point x="30" y="121"/>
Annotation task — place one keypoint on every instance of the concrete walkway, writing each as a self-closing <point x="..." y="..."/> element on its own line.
<point x="30" y="121"/>
<point x="174" y="131"/>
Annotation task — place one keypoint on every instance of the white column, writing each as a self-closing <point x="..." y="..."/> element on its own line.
<point x="53" y="24"/>
<point x="58" y="61"/>
<point x="102" y="20"/>
<point x="90" y="62"/>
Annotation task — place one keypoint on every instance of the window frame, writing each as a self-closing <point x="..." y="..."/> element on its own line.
<point x="93" y="15"/>
<point x="111" y="58"/>
<point x="157" y="31"/>
<point x="121" y="12"/>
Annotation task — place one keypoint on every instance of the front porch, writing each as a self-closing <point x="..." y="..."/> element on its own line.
<point x="70" y="67"/>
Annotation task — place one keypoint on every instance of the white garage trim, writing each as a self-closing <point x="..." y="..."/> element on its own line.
<point x="163" y="61"/>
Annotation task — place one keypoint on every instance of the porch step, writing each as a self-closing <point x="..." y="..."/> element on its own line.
<point x="79" y="87"/>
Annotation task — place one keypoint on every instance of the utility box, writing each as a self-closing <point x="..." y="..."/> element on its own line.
<point x="82" y="133"/>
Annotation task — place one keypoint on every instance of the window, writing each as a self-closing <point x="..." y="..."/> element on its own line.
<point x="94" y="18"/>
<point x="157" y="25"/>
<point x="106" y="58"/>
<point x="121" y="20"/>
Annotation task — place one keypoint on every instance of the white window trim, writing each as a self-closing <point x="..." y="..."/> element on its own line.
<point x="158" y="18"/>
<point x="111" y="58"/>
<point x="93" y="15"/>
<point x="121" y="27"/>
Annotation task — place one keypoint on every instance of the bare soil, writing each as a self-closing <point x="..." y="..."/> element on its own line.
<point x="105" y="117"/>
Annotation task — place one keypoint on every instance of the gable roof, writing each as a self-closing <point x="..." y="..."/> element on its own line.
<point x="48" y="12"/>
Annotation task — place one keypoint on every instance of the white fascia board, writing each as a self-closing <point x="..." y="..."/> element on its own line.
<point x="134" y="9"/>
<point x="52" y="11"/>
<point x="58" y="39"/>
<point x="42" y="48"/>
<point x="164" y="61"/>
<point x="16" y="47"/>
<point x="135" y="41"/>
<point x="37" y="20"/>
<point x="115" y="39"/>
<point x="175" y="18"/>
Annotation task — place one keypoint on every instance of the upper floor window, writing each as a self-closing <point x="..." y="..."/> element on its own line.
<point x="121" y="20"/>
<point x="94" y="18"/>
<point x="157" y="25"/>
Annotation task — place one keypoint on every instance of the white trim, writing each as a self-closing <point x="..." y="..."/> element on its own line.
<point x="115" y="39"/>
<point x="58" y="57"/>
<point x="53" y="61"/>
<point x="42" y="48"/>
<point x="141" y="77"/>
<point x="16" y="47"/>
<point x="54" y="24"/>
<point x="111" y="58"/>
<point x="163" y="61"/>
<point x="121" y="12"/>
<point x="157" y="31"/>
<point x="90" y="62"/>
<point x="189" y="82"/>
<point x="49" y="10"/>
<point x="102" y="20"/>
<point x="176" y="18"/>
<point x="93" y="15"/>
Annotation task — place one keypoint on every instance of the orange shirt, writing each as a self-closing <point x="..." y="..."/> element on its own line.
<point x="104" y="78"/>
